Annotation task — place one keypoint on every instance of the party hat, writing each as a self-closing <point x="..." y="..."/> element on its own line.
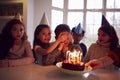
<point x="18" y="16"/>
<point x="104" y="21"/>
<point x="78" y="29"/>
<point x="44" y="20"/>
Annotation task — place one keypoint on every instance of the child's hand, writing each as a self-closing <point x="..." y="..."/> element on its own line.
<point x="61" y="45"/>
<point x="62" y="37"/>
<point x="4" y="63"/>
<point x="95" y="64"/>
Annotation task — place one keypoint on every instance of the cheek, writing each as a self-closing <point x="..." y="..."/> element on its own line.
<point x="39" y="37"/>
<point x="107" y="39"/>
<point x="13" y="33"/>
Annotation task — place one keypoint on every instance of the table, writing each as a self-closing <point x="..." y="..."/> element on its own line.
<point x="38" y="72"/>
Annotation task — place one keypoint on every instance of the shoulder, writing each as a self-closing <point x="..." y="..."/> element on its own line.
<point x="51" y="43"/>
<point x="93" y="45"/>
<point x="26" y="43"/>
<point x="82" y="45"/>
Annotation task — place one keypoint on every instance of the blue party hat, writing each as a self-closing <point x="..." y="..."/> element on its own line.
<point x="78" y="29"/>
<point x="104" y="21"/>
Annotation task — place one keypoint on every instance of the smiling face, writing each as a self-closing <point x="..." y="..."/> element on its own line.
<point x="103" y="37"/>
<point x="44" y="35"/>
<point x="17" y="31"/>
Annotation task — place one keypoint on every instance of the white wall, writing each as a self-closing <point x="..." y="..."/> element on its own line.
<point x="30" y="21"/>
<point x="33" y="11"/>
<point x="41" y="6"/>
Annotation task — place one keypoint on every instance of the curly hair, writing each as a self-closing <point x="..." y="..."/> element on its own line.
<point x="6" y="39"/>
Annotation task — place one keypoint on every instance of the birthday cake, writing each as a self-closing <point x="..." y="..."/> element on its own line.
<point x="75" y="67"/>
<point x="73" y="61"/>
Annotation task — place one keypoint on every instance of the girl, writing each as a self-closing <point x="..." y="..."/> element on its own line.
<point x="15" y="50"/>
<point x="41" y="46"/>
<point x="112" y="58"/>
<point x="42" y="36"/>
<point x="107" y="42"/>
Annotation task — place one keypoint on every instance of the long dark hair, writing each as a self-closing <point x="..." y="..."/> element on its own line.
<point x="6" y="39"/>
<point x="114" y="41"/>
<point x="36" y="41"/>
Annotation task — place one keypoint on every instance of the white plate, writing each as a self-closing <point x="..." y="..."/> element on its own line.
<point x="72" y="72"/>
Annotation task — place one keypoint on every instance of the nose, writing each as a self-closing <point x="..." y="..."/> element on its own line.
<point x="18" y="32"/>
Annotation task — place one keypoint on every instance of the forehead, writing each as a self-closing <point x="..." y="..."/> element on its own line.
<point x="65" y="32"/>
<point x="18" y="26"/>
<point x="45" y="29"/>
<point x="101" y="32"/>
<point x="77" y="34"/>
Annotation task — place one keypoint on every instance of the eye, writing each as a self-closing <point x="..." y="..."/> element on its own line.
<point x="49" y="33"/>
<point x="21" y="29"/>
<point x="43" y="33"/>
<point x="14" y="29"/>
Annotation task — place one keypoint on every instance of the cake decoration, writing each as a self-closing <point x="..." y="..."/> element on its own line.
<point x="73" y="61"/>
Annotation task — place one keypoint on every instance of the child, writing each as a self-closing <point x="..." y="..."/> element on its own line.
<point x="42" y="36"/>
<point x="42" y="47"/>
<point x="107" y="42"/>
<point x="78" y="34"/>
<point x="112" y="58"/>
<point x="60" y="46"/>
<point x="15" y="50"/>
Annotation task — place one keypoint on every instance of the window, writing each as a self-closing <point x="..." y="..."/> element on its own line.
<point x="113" y="4"/>
<point x="57" y="18"/>
<point x="94" y="4"/>
<point x="57" y="13"/>
<point x="88" y="13"/>
<point x="75" y="4"/>
<point x="57" y="3"/>
<point x="74" y="18"/>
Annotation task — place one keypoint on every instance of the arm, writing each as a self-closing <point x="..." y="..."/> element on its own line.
<point x="115" y="56"/>
<point x="87" y="57"/>
<point x="100" y="63"/>
<point x="61" y="38"/>
<point x="112" y="58"/>
<point x="51" y="58"/>
<point x="4" y="63"/>
<point x="38" y="49"/>
<point x="28" y="59"/>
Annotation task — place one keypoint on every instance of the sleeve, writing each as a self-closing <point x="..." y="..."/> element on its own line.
<point x="51" y="57"/>
<point x="115" y="55"/>
<point x="89" y="53"/>
<point x="28" y="49"/>
<point x="4" y="63"/>
<point x="29" y="59"/>
<point x="84" y="49"/>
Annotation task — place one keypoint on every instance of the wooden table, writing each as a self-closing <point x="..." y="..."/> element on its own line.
<point x="37" y="72"/>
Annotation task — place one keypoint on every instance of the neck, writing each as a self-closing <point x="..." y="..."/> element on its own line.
<point x="76" y="42"/>
<point x="17" y="42"/>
